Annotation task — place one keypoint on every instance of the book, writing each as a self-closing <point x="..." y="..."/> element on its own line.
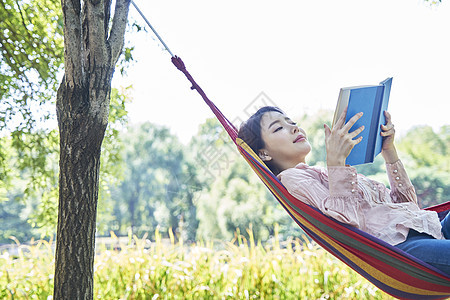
<point x="372" y="100"/>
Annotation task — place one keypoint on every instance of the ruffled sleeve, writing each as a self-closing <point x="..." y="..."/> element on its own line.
<point x="402" y="189"/>
<point x="340" y="201"/>
<point x="343" y="181"/>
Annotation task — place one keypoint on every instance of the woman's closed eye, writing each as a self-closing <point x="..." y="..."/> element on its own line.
<point x="281" y="127"/>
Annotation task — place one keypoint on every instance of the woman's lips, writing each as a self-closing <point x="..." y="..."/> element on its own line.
<point x="300" y="138"/>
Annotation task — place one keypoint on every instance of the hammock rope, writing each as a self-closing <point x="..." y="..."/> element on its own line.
<point x="387" y="267"/>
<point x="151" y="27"/>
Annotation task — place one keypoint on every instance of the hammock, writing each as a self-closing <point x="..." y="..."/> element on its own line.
<point x="390" y="269"/>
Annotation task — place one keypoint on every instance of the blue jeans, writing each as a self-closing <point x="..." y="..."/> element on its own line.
<point x="428" y="249"/>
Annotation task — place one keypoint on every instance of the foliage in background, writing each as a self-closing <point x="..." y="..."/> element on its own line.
<point x="31" y="52"/>
<point x="164" y="269"/>
<point x="427" y="156"/>
<point x="31" y="49"/>
<point x="217" y="196"/>
<point x="313" y="126"/>
<point x="427" y="148"/>
<point x="29" y="197"/>
<point x="204" y="190"/>
<point x="232" y="196"/>
<point x="212" y="191"/>
<point x="158" y="184"/>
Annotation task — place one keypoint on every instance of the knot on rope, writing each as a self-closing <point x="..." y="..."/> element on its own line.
<point x="178" y="63"/>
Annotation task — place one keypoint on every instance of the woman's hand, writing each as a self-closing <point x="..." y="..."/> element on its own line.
<point x="339" y="141"/>
<point x="388" y="133"/>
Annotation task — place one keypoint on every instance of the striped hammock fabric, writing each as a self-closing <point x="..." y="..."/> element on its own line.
<point x="390" y="269"/>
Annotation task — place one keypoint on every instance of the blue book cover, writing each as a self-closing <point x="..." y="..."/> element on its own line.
<point x="372" y="101"/>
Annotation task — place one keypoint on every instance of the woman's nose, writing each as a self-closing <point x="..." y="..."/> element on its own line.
<point x="295" y="129"/>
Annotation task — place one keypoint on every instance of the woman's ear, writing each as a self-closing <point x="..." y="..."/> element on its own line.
<point x="264" y="156"/>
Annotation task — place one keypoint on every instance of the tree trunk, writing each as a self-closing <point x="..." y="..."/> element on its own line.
<point x="82" y="110"/>
<point x="81" y="136"/>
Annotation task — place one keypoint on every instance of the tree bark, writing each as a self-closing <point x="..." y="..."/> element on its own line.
<point x="82" y="109"/>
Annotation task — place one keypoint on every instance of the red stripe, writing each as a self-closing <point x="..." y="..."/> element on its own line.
<point x="398" y="274"/>
<point x="440" y="207"/>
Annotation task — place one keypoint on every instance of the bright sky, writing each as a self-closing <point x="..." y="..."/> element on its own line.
<point x="299" y="53"/>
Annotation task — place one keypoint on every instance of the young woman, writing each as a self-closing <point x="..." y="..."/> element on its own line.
<point x="339" y="192"/>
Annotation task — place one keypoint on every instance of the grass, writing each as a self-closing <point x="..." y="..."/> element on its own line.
<point x="239" y="269"/>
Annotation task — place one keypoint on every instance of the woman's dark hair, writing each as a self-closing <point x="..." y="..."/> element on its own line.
<point x="250" y="132"/>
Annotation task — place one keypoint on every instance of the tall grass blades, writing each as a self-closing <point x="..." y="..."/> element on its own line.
<point x="240" y="269"/>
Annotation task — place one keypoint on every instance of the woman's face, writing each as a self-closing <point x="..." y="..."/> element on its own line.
<point x="285" y="143"/>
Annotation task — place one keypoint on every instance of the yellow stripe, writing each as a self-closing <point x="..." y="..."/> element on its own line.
<point x="380" y="276"/>
<point x="247" y="148"/>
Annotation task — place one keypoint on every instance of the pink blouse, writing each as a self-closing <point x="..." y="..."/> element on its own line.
<point x="354" y="199"/>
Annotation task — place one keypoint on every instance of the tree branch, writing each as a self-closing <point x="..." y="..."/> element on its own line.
<point x="23" y="21"/>
<point x="72" y="43"/>
<point x="119" y="24"/>
<point x="94" y="34"/>
<point x="107" y="16"/>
